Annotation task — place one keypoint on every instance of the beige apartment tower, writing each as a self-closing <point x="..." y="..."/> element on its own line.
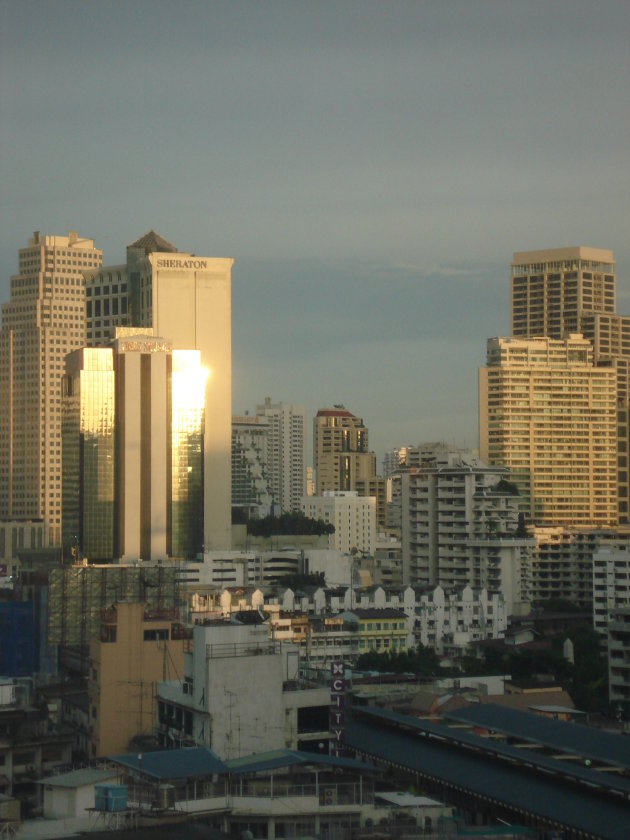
<point x="43" y="322"/>
<point x="554" y="289"/>
<point x="549" y="414"/>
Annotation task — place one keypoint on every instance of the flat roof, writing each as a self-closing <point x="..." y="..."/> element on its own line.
<point x="572" y="252"/>
<point x="79" y="778"/>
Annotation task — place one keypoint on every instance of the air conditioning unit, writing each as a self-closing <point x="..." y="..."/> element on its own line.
<point x="330" y="796"/>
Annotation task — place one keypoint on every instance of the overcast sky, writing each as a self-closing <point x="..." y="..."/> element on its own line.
<point x="371" y="167"/>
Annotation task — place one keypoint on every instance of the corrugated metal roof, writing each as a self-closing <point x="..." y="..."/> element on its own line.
<point x="173" y="764"/>
<point x="571" y="737"/>
<point x="79" y="778"/>
<point x="481" y="774"/>
<point x="276" y="759"/>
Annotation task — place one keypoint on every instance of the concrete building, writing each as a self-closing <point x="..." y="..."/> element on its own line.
<point x="250" y="470"/>
<point x="136" y="648"/>
<point x="286" y="452"/>
<point x="16" y="537"/>
<point x="218" y="704"/>
<point x="562" y="291"/>
<point x="106" y="303"/>
<point x="553" y="290"/>
<point x="460" y="527"/>
<point x="448" y="622"/>
<point x="133" y="441"/>
<point x="342" y="460"/>
<point x="619" y="656"/>
<point x="381" y="630"/>
<point x="43" y="321"/>
<point x="549" y="415"/>
<point x="611" y="584"/>
<point x="353" y="516"/>
<point x="186" y="299"/>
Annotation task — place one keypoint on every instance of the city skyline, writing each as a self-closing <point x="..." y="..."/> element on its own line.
<point x="371" y="171"/>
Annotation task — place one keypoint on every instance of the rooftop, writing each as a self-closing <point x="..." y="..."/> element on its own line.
<point x="173" y="764"/>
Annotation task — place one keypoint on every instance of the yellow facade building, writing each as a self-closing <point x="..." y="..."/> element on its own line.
<point x="380" y="630"/>
<point x="550" y="415"/>
<point x="136" y="648"/>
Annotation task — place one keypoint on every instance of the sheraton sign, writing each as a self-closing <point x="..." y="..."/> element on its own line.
<point x="182" y="263"/>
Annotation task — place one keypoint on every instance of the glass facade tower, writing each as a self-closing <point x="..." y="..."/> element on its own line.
<point x="133" y="435"/>
<point x="88" y="453"/>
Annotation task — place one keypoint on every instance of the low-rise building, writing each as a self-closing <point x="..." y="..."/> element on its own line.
<point x="380" y="630"/>
<point x="227" y="670"/>
<point x="137" y="647"/>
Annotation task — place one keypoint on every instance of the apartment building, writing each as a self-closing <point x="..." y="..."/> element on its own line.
<point x="460" y="526"/>
<point x="250" y="469"/>
<point x="286" y="452"/>
<point x="552" y="290"/>
<point x="353" y="516"/>
<point x="549" y="415"/>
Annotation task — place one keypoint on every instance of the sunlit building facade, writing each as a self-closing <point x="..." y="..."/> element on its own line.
<point x="553" y="290"/>
<point x="133" y="449"/>
<point x="88" y="407"/>
<point x="550" y="415"/>
<point x="43" y="321"/>
<point x="186" y="299"/>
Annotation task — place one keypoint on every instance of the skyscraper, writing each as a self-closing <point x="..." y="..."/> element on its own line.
<point x="562" y="291"/>
<point x="340" y="450"/>
<point x="133" y="440"/>
<point x="250" y="474"/>
<point x="186" y="299"/>
<point x="549" y="414"/>
<point x="342" y="458"/>
<point x="43" y="322"/>
<point x="286" y="452"/>
<point x="553" y="290"/>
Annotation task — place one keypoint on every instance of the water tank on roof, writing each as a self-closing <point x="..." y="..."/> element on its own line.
<point x="165" y="798"/>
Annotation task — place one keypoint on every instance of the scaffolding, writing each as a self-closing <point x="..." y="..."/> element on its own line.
<point x="77" y="594"/>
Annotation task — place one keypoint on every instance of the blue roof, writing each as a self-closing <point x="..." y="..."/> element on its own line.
<point x="165" y="765"/>
<point x="574" y="737"/>
<point x="445" y="754"/>
<point x="275" y="759"/>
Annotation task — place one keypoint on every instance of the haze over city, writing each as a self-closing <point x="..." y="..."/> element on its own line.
<point x="370" y="167"/>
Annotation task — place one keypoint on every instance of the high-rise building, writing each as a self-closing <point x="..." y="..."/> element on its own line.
<point x="342" y="459"/>
<point x="550" y="415"/>
<point x="340" y="450"/>
<point x="250" y="473"/>
<point x="43" y="321"/>
<point x="552" y="290"/>
<point x="460" y="527"/>
<point x="562" y="291"/>
<point x="186" y="299"/>
<point x="133" y="442"/>
<point x="353" y="516"/>
<point x="88" y="435"/>
<point x="286" y="452"/>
